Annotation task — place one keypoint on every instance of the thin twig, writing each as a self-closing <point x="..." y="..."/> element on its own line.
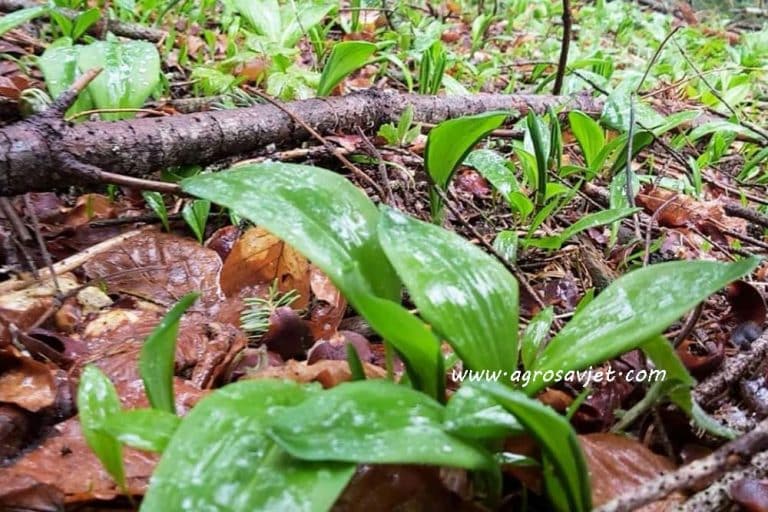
<point x="40" y="242"/>
<point x="734" y="454"/>
<point x="68" y="97"/>
<point x="490" y="248"/>
<point x="656" y="56"/>
<point x="654" y="218"/>
<point x="564" y="46"/>
<point x="333" y="149"/>
<point x="374" y="153"/>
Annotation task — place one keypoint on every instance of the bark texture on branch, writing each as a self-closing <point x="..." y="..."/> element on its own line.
<point x="98" y="29"/>
<point x="34" y="153"/>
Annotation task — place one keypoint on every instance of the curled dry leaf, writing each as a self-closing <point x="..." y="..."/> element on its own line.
<point x="23" y="308"/>
<point x="335" y="348"/>
<point x="701" y="359"/>
<point x="749" y="310"/>
<point x="223" y="240"/>
<point x="681" y="210"/>
<point x="617" y="464"/>
<point x="259" y="257"/>
<point x="25" y="382"/>
<point x="327" y="373"/>
<point x="288" y="334"/>
<point x="328" y="307"/>
<point x="751" y="494"/>
<point x="159" y="268"/>
<point x="89" y="207"/>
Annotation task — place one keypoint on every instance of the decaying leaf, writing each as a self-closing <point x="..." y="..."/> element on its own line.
<point x="25" y="382"/>
<point x="65" y="463"/>
<point x="204" y="349"/>
<point x="259" y="257"/>
<point x="159" y="268"/>
<point x="328" y="307"/>
<point x="618" y="464"/>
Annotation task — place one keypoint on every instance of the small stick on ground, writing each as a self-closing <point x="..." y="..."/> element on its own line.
<point x="736" y="210"/>
<point x="41" y="243"/>
<point x="734" y="454"/>
<point x="374" y="153"/>
<point x="734" y="368"/>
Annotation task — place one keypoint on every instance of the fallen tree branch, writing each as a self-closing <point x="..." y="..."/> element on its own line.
<point x="98" y="29"/>
<point x="732" y="455"/>
<point x="35" y="154"/>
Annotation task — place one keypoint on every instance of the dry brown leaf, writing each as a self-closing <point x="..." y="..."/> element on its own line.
<point x="259" y="257"/>
<point x="204" y="349"/>
<point x="160" y="268"/>
<point x="25" y="382"/>
<point x="329" y="307"/>
<point x="618" y="464"/>
<point x="327" y="373"/>
<point x="64" y="461"/>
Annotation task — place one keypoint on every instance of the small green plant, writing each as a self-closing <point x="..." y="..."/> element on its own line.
<point x="76" y="27"/>
<point x="432" y="68"/>
<point x="254" y="319"/>
<point x="156" y="202"/>
<point x="404" y="132"/>
<point x="195" y="214"/>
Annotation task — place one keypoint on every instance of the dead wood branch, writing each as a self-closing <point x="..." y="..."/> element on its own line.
<point x="37" y="154"/>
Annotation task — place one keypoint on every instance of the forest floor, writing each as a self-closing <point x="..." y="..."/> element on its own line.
<point x="671" y="165"/>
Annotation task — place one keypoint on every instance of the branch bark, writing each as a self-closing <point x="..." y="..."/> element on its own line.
<point x="36" y="154"/>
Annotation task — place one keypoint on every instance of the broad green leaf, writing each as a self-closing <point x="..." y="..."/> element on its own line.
<point x="318" y="212"/>
<point x="130" y="72"/>
<point x="535" y="334"/>
<point x="588" y="221"/>
<point x="373" y="421"/>
<point x="467" y="295"/>
<point x="12" y="20"/>
<point x="476" y="416"/>
<point x="157" y="357"/>
<point x="220" y="458"/>
<point x="143" y="429"/>
<point x="345" y="58"/>
<point x="196" y="216"/>
<point x="156" y="201"/>
<point x="413" y="339"/>
<point x="97" y="400"/>
<point x="263" y="15"/>
<point x="633" y="309"/>
<point x="678" y="385"/>
<point x="450" y="142"/>
<point x="554" y="436"/>
<point x="59" y="66"/>
<point x="588" y="134"/>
